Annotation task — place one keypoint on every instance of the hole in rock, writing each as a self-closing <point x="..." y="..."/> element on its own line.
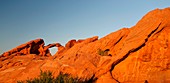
<point x="53" y="50"/>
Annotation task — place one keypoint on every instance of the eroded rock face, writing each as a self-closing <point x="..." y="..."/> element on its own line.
<point x="151" y="60"/>
<point x="138" y="54"/>
<point x="32" y="47"/>
<point x="70" y="44"/>
<point x="142" y="53"/>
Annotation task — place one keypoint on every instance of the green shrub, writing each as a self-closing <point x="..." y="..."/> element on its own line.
<point x="103" y="53"/>
<point x="46" y="77"/>
<point x="64" y="78"/>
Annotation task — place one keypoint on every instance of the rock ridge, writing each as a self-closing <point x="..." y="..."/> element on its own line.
<point x="134" y="55"/>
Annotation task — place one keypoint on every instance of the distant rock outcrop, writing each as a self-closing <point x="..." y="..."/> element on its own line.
<point x="70" y="44"/>
<point x="32" y="47"/>
<point x="135" y="55"/>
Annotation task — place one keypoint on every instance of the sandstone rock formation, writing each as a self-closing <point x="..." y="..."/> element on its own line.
<point x="32" y="47"/>
<point x="138" y="54"/>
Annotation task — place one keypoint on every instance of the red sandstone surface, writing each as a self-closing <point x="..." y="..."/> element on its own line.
<point x="136" y="55"/>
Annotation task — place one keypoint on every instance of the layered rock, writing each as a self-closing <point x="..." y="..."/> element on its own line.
<point x="138" y="54"/>
<point x="32" y="47"/>
<point x="140" y="38"/>
<point x="149" y="60"/>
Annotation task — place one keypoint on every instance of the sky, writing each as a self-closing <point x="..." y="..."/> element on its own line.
<point x="63" y="20"/>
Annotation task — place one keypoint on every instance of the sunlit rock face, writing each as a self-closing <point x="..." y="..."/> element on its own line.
<point x="32" y="47"/>
<point x="140" y="54"/>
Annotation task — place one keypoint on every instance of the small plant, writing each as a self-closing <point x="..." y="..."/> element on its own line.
<point x="46" y="77"/>
<point x="20" y="82"/>
<point x="103" y="53"/>
<point x="65" y="78"/>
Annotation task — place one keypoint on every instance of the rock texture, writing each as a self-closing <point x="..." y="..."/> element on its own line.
<point x="140" y="54"/>
<point x="32" y="47"/>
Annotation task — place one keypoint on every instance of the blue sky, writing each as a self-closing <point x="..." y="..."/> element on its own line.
<point x="63" y="20"/>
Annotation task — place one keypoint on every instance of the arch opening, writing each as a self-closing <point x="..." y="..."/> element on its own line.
<point x="53" y="50"/>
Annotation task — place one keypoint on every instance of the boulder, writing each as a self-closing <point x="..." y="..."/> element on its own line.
<point x="70" y="44"/>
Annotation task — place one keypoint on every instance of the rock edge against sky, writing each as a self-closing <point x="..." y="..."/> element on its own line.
<point x="137" y="54"/>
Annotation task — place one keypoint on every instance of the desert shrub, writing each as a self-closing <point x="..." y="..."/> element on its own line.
<point x="19" y="81"/>
<point x="103" y="53"/>
<point x="65" y="78"/>
<point x="100" y="52"/>
<point x="46" y="77"/>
